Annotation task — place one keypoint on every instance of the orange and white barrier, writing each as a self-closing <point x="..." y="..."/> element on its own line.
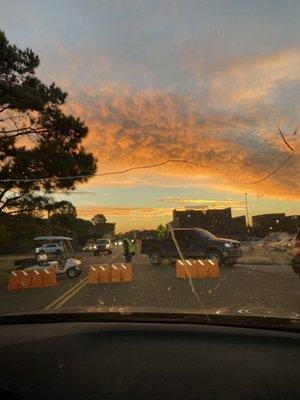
<point x="32" y="278"/>
<point x="197" y="269"/>
<point x="110" y="273"/>
<point x="99" y="273"/>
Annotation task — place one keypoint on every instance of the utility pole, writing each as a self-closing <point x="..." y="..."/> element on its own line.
<point x="247" y="219"/>
<point x="247" y="210"/>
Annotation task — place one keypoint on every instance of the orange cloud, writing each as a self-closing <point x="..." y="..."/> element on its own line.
<point x="134" y="128"/>
<point x="253" y="81"/>
<point x="196" y="203"/>
<point x="226" y="119"/>
<point x="136" y="212"/>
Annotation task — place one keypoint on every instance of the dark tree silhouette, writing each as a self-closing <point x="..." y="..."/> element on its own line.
<point x="37" y="140"/>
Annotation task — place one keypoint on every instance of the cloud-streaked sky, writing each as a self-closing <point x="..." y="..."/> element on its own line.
<point x="207" y="81"/>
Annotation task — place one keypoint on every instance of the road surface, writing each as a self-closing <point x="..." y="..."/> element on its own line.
<point x="252" y="287"/>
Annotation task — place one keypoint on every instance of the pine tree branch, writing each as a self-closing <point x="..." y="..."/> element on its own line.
<point x="4" y="108"/>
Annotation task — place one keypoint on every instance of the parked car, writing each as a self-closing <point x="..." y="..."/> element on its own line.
<point x="296" y="253"/>
<point x="50" y="248"/>
<point x="272" y="241"/>
<point x="89" y="247"/>
<point x="194" y="243"/>
<point x="101" y="246"/>
<point x="285" y="244"/>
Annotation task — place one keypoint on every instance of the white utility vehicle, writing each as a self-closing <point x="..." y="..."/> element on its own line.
<point x="63" y="261"/>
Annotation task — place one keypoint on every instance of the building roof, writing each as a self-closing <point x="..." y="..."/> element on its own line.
<point x="269" y="215"/>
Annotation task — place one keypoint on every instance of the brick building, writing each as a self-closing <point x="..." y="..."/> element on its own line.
<point x="276" y="222"/>
<point x="219" y="222"/>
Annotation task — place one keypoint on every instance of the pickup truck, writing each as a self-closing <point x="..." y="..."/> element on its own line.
<point x="101" y="246"/>
<point x="193" y="243"/>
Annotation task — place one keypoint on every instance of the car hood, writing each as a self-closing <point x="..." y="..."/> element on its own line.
<point x="223" y="240"/>
<point x="225" y="316"/>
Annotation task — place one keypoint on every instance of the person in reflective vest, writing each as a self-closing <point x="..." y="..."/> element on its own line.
<point x="128" y="249"/>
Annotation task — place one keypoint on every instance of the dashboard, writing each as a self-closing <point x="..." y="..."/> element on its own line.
<point x="95" y="360"/>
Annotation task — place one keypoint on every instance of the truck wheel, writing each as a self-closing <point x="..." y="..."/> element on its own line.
<point x="296" y="268"/>
<point x="155" y="258"/>
<point x="216" y="255"/>
<point x="230" y="263"/>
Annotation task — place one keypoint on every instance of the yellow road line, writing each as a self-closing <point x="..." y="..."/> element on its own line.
<point x="67" y="298"/>
<point x="63" y="295"/>
<point x="61" y="300"/>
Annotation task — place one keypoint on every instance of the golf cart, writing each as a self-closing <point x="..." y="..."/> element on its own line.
<point x="63" y="261"/>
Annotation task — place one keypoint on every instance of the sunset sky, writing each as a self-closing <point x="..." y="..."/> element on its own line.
<point x="206" y="81"/>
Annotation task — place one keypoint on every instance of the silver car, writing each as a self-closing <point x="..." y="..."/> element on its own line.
<point x="50" y="248"/>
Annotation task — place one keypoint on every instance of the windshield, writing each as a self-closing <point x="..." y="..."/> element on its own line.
<point x="102" y="241"/>
<point x="203" y="234"/>
<point x="155" y="144"/>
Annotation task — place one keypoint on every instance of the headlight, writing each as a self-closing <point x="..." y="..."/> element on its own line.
<point x="95" y="247"/>
<point x="107" y="246"/>
<point x="228" y="245"/>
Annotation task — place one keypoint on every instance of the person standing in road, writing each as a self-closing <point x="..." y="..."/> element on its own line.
<point x="128" y="249"/>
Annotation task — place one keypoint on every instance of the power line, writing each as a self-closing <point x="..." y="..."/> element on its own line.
<point x="179" y="161"/>
<point x="183" y="161"/>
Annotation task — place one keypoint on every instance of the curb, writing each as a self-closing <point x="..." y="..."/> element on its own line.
<point x="260" y="262"/>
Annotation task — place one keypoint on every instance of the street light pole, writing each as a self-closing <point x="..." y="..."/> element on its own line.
<point x="248" y="219"/>
<point x="247" y="210"/>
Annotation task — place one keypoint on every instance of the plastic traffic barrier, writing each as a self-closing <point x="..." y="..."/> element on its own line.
<point x="36" y="278"/>
<point x="110" y="273"/>
<point x="32" y="278"/>
<point x="185" y="269"/>
<point x="126" y="272"/>
<point x="115" y="273"/>
<point x="18" y="280"/>
<point x="99" y="273"/>
<point x="49" y="277"/>
<point x="93" y="274"/>
<point x="197" y="269"/>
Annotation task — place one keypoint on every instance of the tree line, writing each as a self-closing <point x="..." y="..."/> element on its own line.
<point x="17" y="231"/>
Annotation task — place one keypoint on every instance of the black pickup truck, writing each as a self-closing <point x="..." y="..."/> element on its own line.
<point x="193" y="243"/>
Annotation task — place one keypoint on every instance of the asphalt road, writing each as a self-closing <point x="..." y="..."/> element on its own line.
<point x="263" y="289"/>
